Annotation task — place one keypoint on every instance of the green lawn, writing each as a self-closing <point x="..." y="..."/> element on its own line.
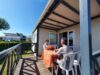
<point x="0" y="65"/>
<point x="27" y="54"/>
<point x="5" y="70"/>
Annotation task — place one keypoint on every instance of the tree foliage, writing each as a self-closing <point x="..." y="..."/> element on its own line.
<point x="4" y="24"/>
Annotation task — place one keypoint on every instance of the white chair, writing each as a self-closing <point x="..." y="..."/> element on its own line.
<point x="67" y="63"/>
<point x="77" y="63"/>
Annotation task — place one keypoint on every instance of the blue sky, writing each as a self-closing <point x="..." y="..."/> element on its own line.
<point x="22" y="15"/>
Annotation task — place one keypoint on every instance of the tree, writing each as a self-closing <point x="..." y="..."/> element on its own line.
<point x="4" y="24"/>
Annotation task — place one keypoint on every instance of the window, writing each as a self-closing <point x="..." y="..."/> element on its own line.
<point x="70" y="38"/>
<point x="53" y="38"/>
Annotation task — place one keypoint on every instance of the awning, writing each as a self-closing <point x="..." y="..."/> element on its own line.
<point x="65" y="13"/>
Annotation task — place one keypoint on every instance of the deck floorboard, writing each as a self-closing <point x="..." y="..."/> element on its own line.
<point x="31" y="67"/>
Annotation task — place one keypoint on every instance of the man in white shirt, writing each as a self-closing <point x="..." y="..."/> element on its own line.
<point x="63" y="51"/>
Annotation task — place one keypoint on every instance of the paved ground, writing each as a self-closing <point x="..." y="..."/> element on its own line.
<point x="31" y="67"/>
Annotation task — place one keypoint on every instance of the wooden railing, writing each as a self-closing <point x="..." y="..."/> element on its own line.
<point x="96" y="57"/>
<point x="9" y="58"/>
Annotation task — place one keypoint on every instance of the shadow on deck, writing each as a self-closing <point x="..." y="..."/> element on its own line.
<point x="31" y="67"/>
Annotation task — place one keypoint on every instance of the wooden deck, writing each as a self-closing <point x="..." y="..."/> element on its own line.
<point x="28" y="66"/>
<point x="31" y="67"/>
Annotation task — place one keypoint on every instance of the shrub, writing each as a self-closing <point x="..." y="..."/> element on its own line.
<point x="5" y="45"/>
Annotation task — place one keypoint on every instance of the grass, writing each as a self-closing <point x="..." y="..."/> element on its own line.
<point x="27" y="54"/>
<point x="5" y="70"/>
<point x="0" y="64"/>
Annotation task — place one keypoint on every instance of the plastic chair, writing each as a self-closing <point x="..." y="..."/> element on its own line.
<point x="77" y="62"/>
<point x="67" y="63"/>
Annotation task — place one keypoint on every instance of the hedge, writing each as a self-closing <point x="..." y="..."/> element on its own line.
<point x="5" y="45"/>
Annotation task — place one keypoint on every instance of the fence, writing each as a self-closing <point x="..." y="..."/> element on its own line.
<point x="96" y="59"/>
<point x="9" y="58"/>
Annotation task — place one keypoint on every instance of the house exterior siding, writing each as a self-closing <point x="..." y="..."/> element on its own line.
<point x="96" y="34"/>
<point x="43" y="35"/>
<point x="76" y="30"/>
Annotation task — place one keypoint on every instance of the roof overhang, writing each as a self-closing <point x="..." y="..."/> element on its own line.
<point x="49" y="4"/>
<point x="60" y="14"/>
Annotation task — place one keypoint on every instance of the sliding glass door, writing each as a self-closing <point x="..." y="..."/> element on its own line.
<point x="70" y="38"/>
<point x="64" y="34"/>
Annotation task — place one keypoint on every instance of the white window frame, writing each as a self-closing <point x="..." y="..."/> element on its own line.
<point x="52" y="33"/>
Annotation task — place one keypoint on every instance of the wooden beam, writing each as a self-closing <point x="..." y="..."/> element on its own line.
<point x="53" y="24"/>
<point x="57" y="21"/>
<point x="95" y="17"/>
<point x="63" y="17"/>
<point x="37" y="45"/>
<point x="98" y="1"/>
<point x="70" y="25"/>
<point x="70" y="7"/>
<point x="53" y="7"/>
<point x="49" y="28"/>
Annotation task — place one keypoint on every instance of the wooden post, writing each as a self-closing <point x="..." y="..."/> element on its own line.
<point x="37" y="43"/>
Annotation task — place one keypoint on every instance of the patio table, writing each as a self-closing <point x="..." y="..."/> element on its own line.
<point x="49" y="57"/>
